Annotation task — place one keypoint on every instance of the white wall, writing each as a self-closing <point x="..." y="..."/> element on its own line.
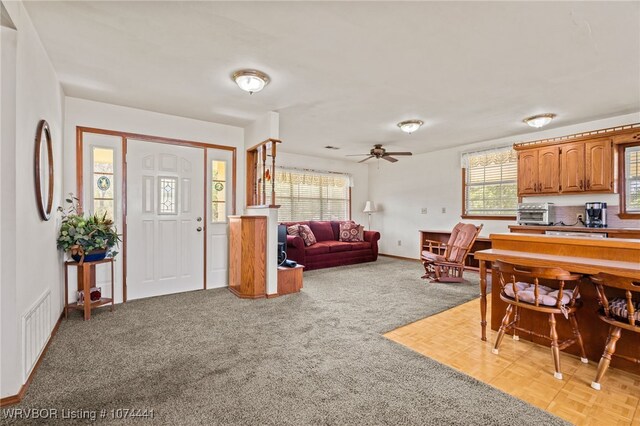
<point x="38" y="95"/>
<point x="81" y="112"/>
<point x="433" y="180"/>
<point x="359" y="173"/>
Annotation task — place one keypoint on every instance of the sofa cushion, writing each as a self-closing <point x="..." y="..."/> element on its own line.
<point x="351" y="231"/>
<point x="307" y="235"/>
<point x="363" y="245"/>
<point x="322" y="231"/>
<point x="293" y="230"/>
<point x="318" y="248"/>
<point x="337" y="246"/>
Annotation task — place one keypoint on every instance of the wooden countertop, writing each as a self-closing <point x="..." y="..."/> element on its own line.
<point x="575" y="229"/>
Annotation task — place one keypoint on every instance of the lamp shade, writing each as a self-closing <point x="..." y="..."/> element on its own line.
<point x="369" y="207"/>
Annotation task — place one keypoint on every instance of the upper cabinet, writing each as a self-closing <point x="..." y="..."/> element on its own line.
<point x="566" y="168"/>
<point x="538" y="171"/>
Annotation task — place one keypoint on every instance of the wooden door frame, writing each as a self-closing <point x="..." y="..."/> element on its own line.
<point x="124" y="137"/>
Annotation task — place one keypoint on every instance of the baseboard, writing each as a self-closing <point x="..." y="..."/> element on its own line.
<point x="14" y="399"/>
<point x="393" y="256"/>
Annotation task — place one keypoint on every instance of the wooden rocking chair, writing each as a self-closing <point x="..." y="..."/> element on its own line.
<point x="445" y="262"/>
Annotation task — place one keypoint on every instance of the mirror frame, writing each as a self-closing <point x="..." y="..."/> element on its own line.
<point x="44" y="209"/>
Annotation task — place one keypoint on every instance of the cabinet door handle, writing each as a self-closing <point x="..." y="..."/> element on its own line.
<point x="588" y="184"/>
<point x="580" y="183"/>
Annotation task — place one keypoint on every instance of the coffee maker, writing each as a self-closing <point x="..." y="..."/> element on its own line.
<point x="596" y="215"/>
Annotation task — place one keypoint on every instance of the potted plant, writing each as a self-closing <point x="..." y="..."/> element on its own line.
<point x="86" y="238"/>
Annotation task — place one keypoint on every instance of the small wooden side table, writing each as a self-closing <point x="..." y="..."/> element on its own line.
<point x="86" y="280"/>
<point x="289" y="279"/>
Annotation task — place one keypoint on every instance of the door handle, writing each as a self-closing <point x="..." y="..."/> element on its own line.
<point x="199" y="228"/>
<point x="199" y="219"/>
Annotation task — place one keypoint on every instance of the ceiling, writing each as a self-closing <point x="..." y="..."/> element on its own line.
<point x="344" y="73"/>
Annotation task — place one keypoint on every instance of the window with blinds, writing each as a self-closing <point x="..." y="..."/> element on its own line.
<point x="490" y="186"/>
<point x="632" y="179"/>
<point x="306" y="195"/>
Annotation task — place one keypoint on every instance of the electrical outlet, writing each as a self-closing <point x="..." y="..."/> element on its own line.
<point x="399" y="242"/>
<point x="444" y="210"/>
<point x="424" y="210"/>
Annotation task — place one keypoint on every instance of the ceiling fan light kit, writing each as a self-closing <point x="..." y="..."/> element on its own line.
<point x="539" y="120"/>
<point x="251" y="81"/>
<point x="410" y="126"/>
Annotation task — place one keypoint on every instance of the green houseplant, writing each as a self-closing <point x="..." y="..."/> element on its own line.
<point x="86" y="237"/>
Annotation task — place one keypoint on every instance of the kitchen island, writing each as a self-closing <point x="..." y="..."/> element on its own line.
<point x="580" y="255"/>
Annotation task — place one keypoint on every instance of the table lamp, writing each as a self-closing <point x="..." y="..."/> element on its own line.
<point x="369" y="208"/>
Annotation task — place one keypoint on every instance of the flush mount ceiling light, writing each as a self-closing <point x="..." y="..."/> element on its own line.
<point x="250" y="80"/>
<point x="410" y="126"/>
<point x="540" y="120"/>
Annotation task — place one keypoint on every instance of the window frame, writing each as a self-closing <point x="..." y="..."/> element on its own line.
<point x="464" y="214"/>
<point x="623" y="214"/>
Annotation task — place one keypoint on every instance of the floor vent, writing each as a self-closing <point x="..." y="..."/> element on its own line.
<point x="36" y="329"/>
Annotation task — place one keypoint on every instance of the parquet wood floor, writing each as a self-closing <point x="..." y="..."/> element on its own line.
<point x="453" y="338"/>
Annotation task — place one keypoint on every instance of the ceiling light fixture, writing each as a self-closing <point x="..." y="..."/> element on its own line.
<point x="539" y="120"/>
<point x="410" y="126"/>
<point x="250" y="80"/>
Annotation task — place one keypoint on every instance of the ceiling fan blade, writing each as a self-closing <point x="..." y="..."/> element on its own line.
<point x="356" y="155"/>
<point x="362" y="161"/>
<point x="398" y="153"/>
<point x="390" y="159"/>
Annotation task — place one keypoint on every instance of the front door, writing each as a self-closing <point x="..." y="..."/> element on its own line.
<point x="165" y="213"/>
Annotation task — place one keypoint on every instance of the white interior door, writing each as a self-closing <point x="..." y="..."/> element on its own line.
<point x="219" y="207"/>
<point x="165" y="213"/>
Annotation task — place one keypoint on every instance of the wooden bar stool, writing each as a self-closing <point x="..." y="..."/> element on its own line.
<point x="619" y="312"/>
<point x="539" y="298"/>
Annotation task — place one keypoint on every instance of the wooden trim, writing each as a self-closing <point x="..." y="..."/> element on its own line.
<point x="14" y="399"/>
<point x="611" y="131"/>
<point x="158" y="139"/>
<point x="393" y="256"/>
<point x="622" y="184"/>
<point x="79" y="172"/>
<point x="464" y="214"/>
<point x="123" y="191"/>
<point x="264" y="142"/>
<point x="271" y="296"/>
<point x="125" y="136"/>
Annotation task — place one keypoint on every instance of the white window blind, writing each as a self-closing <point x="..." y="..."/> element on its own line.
<point x="491" y="182"/>
<point x="632" y="179"/>
<point x="307" y="195"/>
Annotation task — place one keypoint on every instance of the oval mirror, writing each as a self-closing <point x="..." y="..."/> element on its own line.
<point x="44" y="170"/>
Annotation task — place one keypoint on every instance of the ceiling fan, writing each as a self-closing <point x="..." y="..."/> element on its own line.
<point x="379" y="152"/>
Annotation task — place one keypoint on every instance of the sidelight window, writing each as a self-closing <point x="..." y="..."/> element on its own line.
<point x="218" y="191"/>
<point x="103" y="182"/>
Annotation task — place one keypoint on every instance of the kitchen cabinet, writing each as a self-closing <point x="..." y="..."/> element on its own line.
<point x="566" y="168"/>
<point x="538" y="171"/>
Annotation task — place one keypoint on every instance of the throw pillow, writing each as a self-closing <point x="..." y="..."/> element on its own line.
<point x="351" y="232"/>
<point x="307" y="235"/>
<point x="293" y="230"/>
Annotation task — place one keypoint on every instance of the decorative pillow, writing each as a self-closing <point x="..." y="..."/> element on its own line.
<point x="307" y="235"/>
<point x="293" y="230"/>
<point x="351" y="232"/>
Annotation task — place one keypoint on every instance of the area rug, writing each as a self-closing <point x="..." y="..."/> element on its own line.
<point x="313" y="358"/>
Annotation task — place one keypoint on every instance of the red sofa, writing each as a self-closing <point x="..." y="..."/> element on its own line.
<point x="328" y="251"/>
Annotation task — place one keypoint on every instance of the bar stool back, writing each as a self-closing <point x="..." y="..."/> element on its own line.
<point x="531" y="295"/>
<point x="619" y="312"/>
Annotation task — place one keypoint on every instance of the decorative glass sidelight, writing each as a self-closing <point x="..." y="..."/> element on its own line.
<point x="218" y="191"/>
<point x="103" y="182"/>
<point x="168" y="188"/>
